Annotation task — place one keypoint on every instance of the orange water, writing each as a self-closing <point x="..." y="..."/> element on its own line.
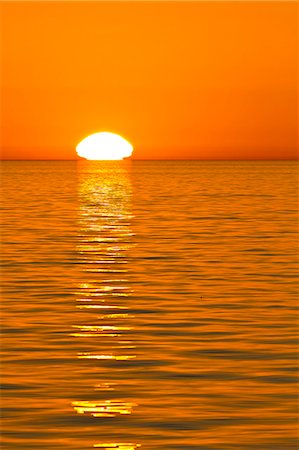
<point x="149" y="305"/>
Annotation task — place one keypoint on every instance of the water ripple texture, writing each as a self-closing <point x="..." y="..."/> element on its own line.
<point x="149" y="305"/>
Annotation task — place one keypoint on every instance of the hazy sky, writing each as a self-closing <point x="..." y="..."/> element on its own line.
<point x="177" y="79"/>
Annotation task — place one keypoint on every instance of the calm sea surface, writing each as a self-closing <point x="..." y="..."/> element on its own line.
<point x="149" y="305"/>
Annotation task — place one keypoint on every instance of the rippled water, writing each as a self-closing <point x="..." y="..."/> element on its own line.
<point x="149" y="305"/>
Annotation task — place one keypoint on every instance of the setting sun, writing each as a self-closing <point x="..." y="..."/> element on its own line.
<point x="104" y="146"/>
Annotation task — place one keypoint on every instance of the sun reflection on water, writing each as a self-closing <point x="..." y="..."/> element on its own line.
<point x="115" y="357"/>
<point x="105" y="408"/>
<point x="118" y="446"/>
<point x="104" y="242"/>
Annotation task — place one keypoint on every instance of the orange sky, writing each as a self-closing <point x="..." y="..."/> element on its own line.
<point x="210" y="80"/>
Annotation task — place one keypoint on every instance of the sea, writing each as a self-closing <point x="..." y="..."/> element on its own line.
<point x="149" y="305"/>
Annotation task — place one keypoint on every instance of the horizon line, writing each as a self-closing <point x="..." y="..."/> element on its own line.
<point x="160" y="159"/>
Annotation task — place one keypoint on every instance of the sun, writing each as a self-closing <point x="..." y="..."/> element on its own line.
<point x="104" y="146"/>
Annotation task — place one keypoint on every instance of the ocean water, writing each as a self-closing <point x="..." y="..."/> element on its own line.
<point x="149" y="305"/>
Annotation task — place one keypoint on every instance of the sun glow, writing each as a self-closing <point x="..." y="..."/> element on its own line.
<point x="104" y="146"/>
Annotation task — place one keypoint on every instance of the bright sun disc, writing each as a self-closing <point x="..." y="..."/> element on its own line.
<point x="104" y="146"/>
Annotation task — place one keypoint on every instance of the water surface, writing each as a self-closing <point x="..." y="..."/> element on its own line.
<point x="149" y="305"/>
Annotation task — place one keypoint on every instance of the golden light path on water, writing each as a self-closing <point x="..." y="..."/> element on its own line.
<point x="105" y="238"/>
